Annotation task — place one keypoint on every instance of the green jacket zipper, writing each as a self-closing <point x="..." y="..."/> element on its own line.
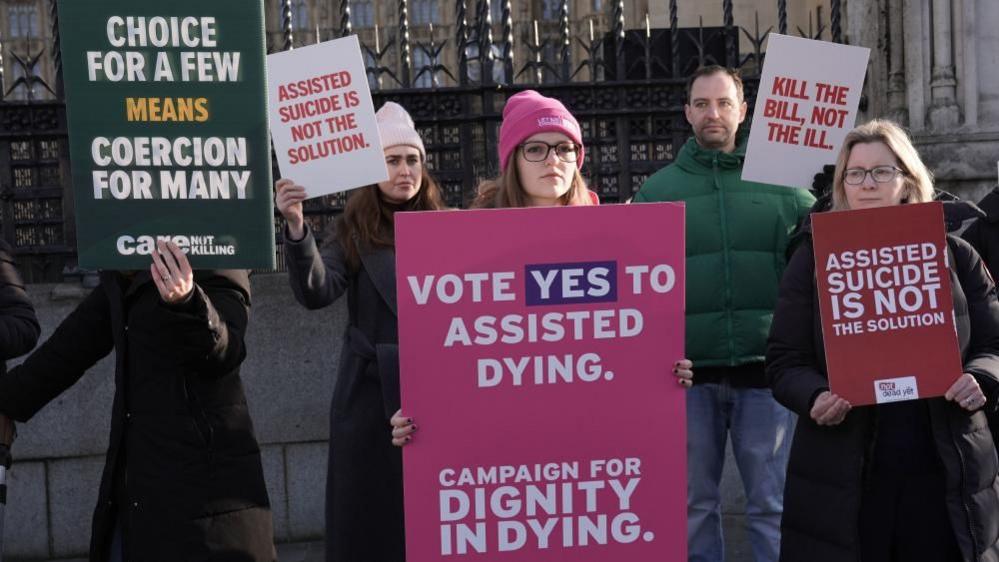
<point x="729" y="329"/>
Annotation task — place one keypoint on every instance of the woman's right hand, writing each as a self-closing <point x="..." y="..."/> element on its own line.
<point x="402" y="429"/>
<point x="829" y="409"/>
<point x="288" y="198"/>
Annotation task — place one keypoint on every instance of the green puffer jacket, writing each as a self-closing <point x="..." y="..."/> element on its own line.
<point x="737" y="235"/>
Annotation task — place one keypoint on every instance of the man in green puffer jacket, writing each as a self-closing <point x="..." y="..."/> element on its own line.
<point x="737" y="236"/>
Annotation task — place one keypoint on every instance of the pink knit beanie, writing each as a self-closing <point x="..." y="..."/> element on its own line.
<point x="395" y="127"/>
<point x="528" y="113"/>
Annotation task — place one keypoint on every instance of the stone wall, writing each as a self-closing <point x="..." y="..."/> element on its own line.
<point x="933" y="69"/>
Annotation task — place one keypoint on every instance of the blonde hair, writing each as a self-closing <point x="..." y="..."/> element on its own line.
<point x="918" y="180"/>
<point x="506" y="191"/>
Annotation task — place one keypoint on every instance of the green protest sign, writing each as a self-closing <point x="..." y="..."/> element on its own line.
<point x="167" y="112"/>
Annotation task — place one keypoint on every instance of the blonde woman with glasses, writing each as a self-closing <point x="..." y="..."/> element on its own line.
<point x="904" y="482"/>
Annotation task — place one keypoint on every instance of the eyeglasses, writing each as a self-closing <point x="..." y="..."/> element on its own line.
<point x="880" y="174"/>
<point x="537" y="151"/>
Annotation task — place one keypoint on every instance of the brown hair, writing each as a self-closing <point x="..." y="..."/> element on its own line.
<point x="715" y="69"/>
<point x="506" y="191"/>
<point x="918" y="180"/>
<point x="368" y="220"/>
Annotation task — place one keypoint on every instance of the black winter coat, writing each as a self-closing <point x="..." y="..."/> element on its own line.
<point x="983" y="234"/>
<point x="364" y="513"/>
<point x="183" y="472"/>
<point x="19" y="328"/>
<point x="827" y="469"/>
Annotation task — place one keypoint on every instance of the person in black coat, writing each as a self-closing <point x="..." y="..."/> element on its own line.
<point x="983" y="233"/>
<point x="909" y="481"/>
<point x="183" y="478"/>
<point x="364" y="503"/>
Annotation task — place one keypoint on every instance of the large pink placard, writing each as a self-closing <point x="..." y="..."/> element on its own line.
<point x="536" y="350"/>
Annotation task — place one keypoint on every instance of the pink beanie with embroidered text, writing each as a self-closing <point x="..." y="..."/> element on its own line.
<point x="528" y="113"/>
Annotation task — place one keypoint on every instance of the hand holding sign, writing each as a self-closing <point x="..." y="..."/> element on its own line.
<point x="171" y="272"/>
<point x="966" y="393"/>
<point x="402" y="428"/>
<point x="683" y="372"/>
<point x="289" y="202"/>
<point x="829" y="409"/>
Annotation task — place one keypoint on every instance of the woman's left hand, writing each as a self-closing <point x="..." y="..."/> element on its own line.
<point x="402" y="428"/>
<point x="683" y="370"/>
<point x="171" y="272"/>
<point x="966" y="393"/>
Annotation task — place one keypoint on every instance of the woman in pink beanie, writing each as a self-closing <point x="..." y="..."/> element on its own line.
<point x="540" y="154"/>
<point x="364" y="510"/>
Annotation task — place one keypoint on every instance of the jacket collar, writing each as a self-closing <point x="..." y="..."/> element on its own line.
<point x="695" y="156"/>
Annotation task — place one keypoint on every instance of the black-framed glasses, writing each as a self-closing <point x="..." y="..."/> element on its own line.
<point x="538" y="151"/>
<point x="880" y="174"/>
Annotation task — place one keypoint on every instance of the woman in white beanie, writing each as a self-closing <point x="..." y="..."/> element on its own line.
<point x="364" y="510"/>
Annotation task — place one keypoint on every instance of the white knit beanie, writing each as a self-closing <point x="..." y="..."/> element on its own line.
<point x="395" y="127"/>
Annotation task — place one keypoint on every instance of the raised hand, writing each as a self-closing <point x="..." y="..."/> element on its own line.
<point x="171" y="272"/>
<point x="288" y="198"/>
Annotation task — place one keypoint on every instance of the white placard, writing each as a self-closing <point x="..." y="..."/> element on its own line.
<point x="322" y="118"/>
<point x="806" y="104"/>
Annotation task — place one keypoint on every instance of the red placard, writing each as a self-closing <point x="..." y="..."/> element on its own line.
<point x="885" y="301"/>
